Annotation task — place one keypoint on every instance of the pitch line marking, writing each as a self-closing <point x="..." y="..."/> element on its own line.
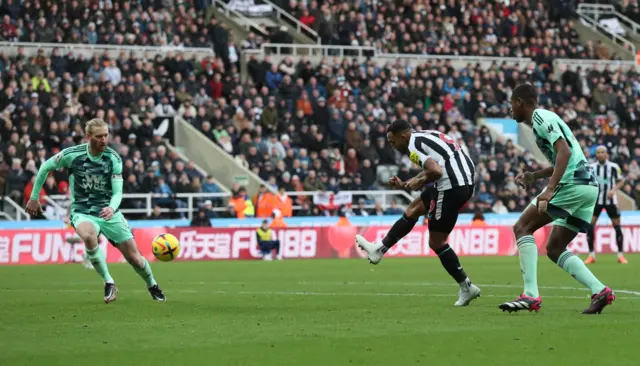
<point x="307" y="293"/>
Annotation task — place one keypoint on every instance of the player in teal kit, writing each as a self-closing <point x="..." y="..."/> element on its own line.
<point x="95" y="181"/>
<point x="567" y="202"/>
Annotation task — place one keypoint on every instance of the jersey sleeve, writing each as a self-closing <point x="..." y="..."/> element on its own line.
<point x="416" y="155"/>
<point x="116" y="166"/>
<point x="62" y="159"/>
<point x="546" y="128"/>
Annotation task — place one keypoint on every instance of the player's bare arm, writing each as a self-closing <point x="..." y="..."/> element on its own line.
<point x="561" y="163"/>
<point x="432" y="172"/>
<point x="615" y="188"/>
<point x="33" y="207"/>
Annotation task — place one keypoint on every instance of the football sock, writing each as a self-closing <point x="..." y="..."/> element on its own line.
<point x="528" y="252"/>
<point x="619" y="239"/>
<point x="576" y="268"/>
<point x="97" y="259"/>
<point x="590" y="236"/>
<point x="400" y="228"/>
<point x="145" y="273"/>
<point x="451" y="264"/>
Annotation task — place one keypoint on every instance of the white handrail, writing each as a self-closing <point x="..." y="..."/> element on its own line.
<point x="247" y="23"/>
<point x="89" y="48"/>
<point x="586" y="15"/>
<point x="382" y="193"/>
<point x="191" y="206"/>
<point x="607" y="9"/>
<point x="299" y="25"/>
<point x="19" y="210"/>
<point x="369" y="51"/>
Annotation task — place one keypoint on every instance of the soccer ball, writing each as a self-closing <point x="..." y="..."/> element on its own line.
<point x="166" y="247"/>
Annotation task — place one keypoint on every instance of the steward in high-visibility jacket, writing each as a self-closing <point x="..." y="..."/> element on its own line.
<point x="266" y="241"/>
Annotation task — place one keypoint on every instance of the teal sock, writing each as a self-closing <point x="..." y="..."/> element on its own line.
<point x="576" y="268"/>
<point x="528" y="252"/>
<point x="97" y="259"/>
<point x="145" y="273"/>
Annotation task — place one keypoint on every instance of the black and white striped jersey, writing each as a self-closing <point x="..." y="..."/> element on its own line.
<point x="457" y="168"/>
<point x="608" y="175"/>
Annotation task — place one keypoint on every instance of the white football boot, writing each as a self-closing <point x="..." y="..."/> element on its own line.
<point x="465" y="297"/>
<point x="373" y="250"/>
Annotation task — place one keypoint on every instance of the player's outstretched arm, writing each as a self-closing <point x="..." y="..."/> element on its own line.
<point x="33" y="207"/>
<point x="543" y="173"/>
<point x="431" y="173"/>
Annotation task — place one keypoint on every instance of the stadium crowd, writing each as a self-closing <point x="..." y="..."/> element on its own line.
<point x="527" y="28"/>
<point x="299" y="125"/>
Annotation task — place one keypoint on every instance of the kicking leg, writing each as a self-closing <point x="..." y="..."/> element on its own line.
<point x="129" y="250"/>
<point x="88" y="234"/>
<point x="557" y="251"/>
<point x="590" y="238"/>
<point x="527" y="224"/>
<point x="402" y="227"/>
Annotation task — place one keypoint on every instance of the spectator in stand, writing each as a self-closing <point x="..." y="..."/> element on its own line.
<point x="201" y="219"/>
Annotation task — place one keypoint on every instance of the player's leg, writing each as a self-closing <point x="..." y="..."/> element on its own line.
<point x="591" y="236"/>
<point x="561" y="235"/>
<point x="118" y="232"/>
<point x="528" y="223"/>
<point x="614" y="214"/>
<point x="88" y="230"/>
<point x="443" y="216"/>
<point x="402" y="227"/>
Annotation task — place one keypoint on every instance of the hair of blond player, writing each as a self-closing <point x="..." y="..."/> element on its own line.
<point x="93" y="124"/>
<point x="602" y="148"/>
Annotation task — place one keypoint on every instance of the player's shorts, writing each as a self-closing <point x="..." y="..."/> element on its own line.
<point x="612" y="211"/>
<point x="572" y="206"/>
<point x="116" y="230"/>
<point x="443" y="207"/>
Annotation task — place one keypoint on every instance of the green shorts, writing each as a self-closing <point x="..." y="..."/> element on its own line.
<point x="572" y="206"/>
<point x="116" y="230"/>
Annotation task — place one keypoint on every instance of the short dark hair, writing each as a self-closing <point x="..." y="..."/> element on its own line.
<point x="527" y="93"/>
<point x="399" y="126"/>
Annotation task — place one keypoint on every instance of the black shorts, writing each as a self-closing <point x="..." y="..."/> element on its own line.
<point x="443" y="206"/>
<point x="612" y="211"/>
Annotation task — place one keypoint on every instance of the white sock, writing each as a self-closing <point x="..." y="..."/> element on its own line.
<point x="620" y="254"/>
<point x="593" y="254"/>
<point x="110" y="281"/>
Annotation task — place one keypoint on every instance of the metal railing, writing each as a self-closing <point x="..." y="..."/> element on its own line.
<point x="607" y="9"/>
<point x="316" y="52"/>
<point x="300" y="27"/>
<point x="247" y="23"/>
<point x="21" y="214"/>
<point x="31" y="49"/>
<point x="282" y="49"/>
<point x="590" y="17"/>
<point x="191" y="201"/>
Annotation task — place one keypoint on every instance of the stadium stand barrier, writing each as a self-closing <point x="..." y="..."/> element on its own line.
<point x="240" y="20"/>
<point x="284" y="16"/>
<point x="13" y="211"/>
<point x="560" y="65"/>
<point x="213" y="158"/>
<point x="87" y="50"/>
<point x="589" y="14"/>
<point x="315" y="53"/>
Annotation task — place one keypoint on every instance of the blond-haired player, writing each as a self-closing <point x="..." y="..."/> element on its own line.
<point x="95" y="181"/>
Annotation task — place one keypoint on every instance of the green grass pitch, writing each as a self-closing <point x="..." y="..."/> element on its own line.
<point x="322" y="312"/>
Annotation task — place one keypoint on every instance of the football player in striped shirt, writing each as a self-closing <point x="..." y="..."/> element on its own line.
<point x="610" y="180"/>
<point x="452" y="173"/>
